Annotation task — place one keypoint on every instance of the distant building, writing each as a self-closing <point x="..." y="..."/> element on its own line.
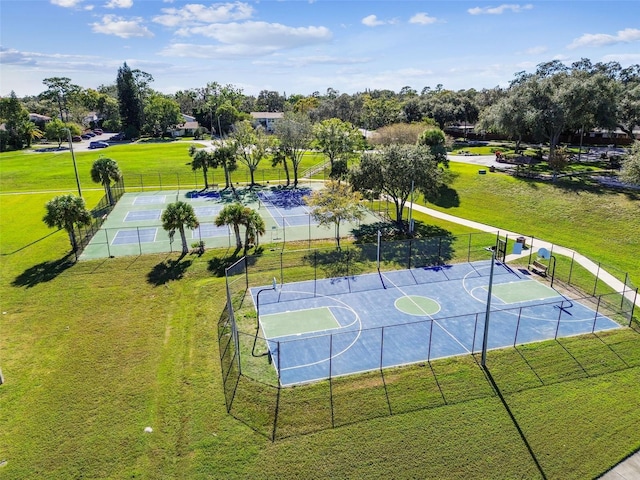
<point x="267" y="119"/>
<point x="187" y="128"/>
<point x="39" y="120"/>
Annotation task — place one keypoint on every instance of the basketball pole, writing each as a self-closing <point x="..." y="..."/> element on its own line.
<point x="485" y="336"/>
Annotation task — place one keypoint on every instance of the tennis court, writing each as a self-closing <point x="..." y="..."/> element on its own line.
<point x="325" y="328"/>
<point x="134" y="226"/>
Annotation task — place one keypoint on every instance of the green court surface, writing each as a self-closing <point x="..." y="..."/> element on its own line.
<point x="417" y="305"/>
<point x="516" y="292"/>
<point x="297" y="322"/>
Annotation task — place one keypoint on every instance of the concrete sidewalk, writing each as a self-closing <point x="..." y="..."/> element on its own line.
<point x="589" y="265"/>
<point x="628" y="469"/>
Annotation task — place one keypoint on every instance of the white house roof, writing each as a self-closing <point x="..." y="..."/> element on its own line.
<point x="267" y="115"/>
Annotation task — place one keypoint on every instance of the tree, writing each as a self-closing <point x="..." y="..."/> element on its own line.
<point x="335" y="203"/>
<point x="509" y="116"/>
<point x="203" y="159"/>
<point x="60" y="90"/>
<point x="436" y="140"/>
<point x="337" y="140"/>
<point x="295" y="133"/>
<point x="131" y="109"/>
<point x="631" y="165"/>
<point x="56" y="129"/>
<point x="67" y="212"/>
<point x="254" y="227"/>
<point x="177" y="216"/>
<point x="224" y="156"/>
<point x="103" y="171"/>
<point x="15" y="119"/>
<point x="398" y="133"/>
<point x="233" y="215"/>
<point x="396" y="171"/>
<point x="251" y="145"/>
<point x="161" y="114"/>
<point x="558" y="161"/>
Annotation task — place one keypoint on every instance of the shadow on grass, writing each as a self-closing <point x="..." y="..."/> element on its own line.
<point x="43" y="272"/>
<point x="167" y="271"/>
<point x="218" y="265"/>
<point x="29" y="244"/>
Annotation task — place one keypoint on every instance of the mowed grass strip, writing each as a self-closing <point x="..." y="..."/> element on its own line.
<point x="142" y="164"/>
<point x="93" y="353"/>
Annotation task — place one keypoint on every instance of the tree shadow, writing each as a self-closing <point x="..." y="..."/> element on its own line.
<point x="168" y="270"/>
<point x="218" y="265"/>
<point x="44" y="272"/>
<point x="445" y="197"/>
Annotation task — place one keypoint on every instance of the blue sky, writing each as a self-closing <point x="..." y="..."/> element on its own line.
<point x="305" y="46"/>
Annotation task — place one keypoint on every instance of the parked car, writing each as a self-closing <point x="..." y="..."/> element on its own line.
<point x="93" y="145"/>
<point x="98" y="131"/>
<point x="91" y="134"/>
<point x="85" y="136"/>
<point x="117" y="137"/>
<point x="76" y="138"/>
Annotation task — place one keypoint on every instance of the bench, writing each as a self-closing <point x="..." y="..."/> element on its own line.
<point x="538" y="267"/>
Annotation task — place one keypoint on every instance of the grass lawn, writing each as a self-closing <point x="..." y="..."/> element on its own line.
<point x="94" y="352"/>
<point x="600" y="223"/>
<point x="146" y="164"/>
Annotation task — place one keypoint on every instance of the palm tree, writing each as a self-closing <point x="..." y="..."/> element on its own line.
<point x="224" y="156"/>
<point x="176" y="216"/>
<point x="255" y="227"/>
<point x="67" y="211"/>
<point x="201" y="159"/>
<point x="103" y="171"/>
<point x="233" y="215"/>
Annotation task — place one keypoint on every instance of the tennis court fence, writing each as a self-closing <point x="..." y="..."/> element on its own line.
<point x="99" y="213"/>
<point x="253" y="389"/>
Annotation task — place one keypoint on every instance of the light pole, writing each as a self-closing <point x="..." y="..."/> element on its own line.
<point x="75" y="167"/>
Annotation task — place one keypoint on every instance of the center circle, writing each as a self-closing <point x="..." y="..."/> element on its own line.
<point x="417" y="305"/>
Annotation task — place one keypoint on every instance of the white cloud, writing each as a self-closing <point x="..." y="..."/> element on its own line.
<point x="515" y="8"/>
<point x="199" y="14"/>
<point x="10" y="56"/>
<point x="422" y="18"/>
<point x="119" y="4"/>
<point x="118" y="26"/>
<point x="293" y="62"/>
<point x="627" y="35"/>
<point x="260" y="35"/>
<point x="66" y="3"/>
<point x="372" y="21"/>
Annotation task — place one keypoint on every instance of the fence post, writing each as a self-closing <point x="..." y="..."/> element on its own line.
<point x="333" y="423"/>
<point x="469" y="249"/>
<point x="106" y="235"/>
<point x="515" y="338"/>
<point x="430" y="337"/>
<point x="595" y="286"/>
<point x="573" y="256"/>
<point x="281" y="268"/>
<point x="475" y="329"/>
<point x="555" y="337"/>
<point x="139" y="241"/>
<point x="141" y="184"/>
<point x="633" y="306"/>
<point x="595" y="317"/>
<point x="275" y="418"/>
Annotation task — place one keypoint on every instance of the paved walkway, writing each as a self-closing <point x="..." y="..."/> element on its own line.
<point x="536" y="244"/>
<point x="628" y="469"/>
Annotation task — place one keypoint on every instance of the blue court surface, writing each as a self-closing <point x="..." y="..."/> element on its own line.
<point x="139" y="215"/>
<point x="134" y="236"/>
<point x="332" y="327"/>
<point x="150" y="200"/>
<point x="210" y="230"/>
<point x="287" y="207"/>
